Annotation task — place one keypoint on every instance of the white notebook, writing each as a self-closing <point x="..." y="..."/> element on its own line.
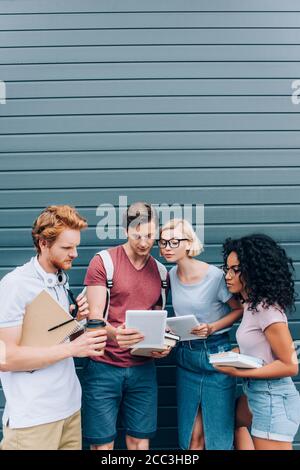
<point x="151" y="323"/>
<point x="182" y="326"/>
<point x="169" y="341"/>
<point x="234" y="359"/>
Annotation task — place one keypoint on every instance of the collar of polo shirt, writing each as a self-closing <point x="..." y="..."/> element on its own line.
<point x="50" y="279"/>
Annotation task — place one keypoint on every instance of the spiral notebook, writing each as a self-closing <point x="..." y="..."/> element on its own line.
<point x="47" y="323"/>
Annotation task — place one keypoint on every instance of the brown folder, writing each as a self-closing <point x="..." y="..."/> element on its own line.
<point x="44" y="313"/>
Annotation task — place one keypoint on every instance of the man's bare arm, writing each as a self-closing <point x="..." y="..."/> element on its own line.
<point x="24" y="358"/>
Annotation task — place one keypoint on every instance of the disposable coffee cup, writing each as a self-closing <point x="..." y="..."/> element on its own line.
<point x="92" y="325"/>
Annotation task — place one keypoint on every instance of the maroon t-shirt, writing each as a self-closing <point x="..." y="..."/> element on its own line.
<point x="133" y="289"/>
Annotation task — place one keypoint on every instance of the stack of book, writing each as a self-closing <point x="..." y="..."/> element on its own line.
<point x="170" y="341"/>
<point x="233" y="359"/>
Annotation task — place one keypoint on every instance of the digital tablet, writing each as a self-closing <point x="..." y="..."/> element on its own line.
<point x="182" y="326"/>
<point x="151" y="323"/>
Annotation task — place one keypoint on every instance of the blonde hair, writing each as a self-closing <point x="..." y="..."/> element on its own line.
<point x="188" y="231"/>
<point x="53" y="221"/>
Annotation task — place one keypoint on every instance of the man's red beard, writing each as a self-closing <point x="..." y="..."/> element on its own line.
<point x="61" y="265"/>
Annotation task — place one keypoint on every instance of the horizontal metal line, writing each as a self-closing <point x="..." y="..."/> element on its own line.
<point x="160" y="28"/>
<point x="146" y="78"/>
<point x="293" y="321"/>
<point x="146" y="28"/>
<point x="116" y="97"/>
<point x="208" y="150"/>
<point x="206" y="226"/>
<point x="224" y="224"/>
<point x="169" y="131"/>
<point x="96" y="247"/>
<point x="144" y="168"/>
<point x="163" y="44"/>
<point x="192" y="113"/>
<point x="89" y="189"/>
<point x="89" y="247"/>
<point x="198" y="149"/>
<point x="129" y="12"/>
<point x="244" y="205"/>
<point x="152" y="62"/>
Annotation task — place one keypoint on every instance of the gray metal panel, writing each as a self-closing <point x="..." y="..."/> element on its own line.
<point x="178" y="105"/>
<point x="147" y="53"/>
<point x="158" y="123"/>
<point x="131" y="178"/>
<point x="215" y="234"/>
<point x="76" y="6"/>
<point x="214" y="214"/>
<point x="103" y="37"/>
<point x="93" y="197"/>
<point x="150" y="140"/>
<point x="147" y="70"/>
<point x="143" y="158"/>
<point x="164" y="19"/>
<point x="153" y="87"/>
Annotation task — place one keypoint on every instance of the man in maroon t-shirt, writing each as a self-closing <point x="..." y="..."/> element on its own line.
<point x="119" y="381"/>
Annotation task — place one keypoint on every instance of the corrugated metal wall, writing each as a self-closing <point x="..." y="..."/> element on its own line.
<point x="167" y="101"/>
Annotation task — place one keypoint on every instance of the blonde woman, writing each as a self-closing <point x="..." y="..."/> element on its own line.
<point x="206" y="398"/>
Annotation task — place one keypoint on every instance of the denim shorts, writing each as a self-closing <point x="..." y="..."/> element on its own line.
<point x="108" y="390"/>
<point x="199" y="384"/>
<point x="275" y="406"/>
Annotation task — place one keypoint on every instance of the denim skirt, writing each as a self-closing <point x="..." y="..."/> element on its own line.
<point x="275" y="408"/>
<point x="199" y="385"/>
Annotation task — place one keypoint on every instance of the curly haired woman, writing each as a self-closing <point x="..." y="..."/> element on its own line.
<point x="259" y="272"/>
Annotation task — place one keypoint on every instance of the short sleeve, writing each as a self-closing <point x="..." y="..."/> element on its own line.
<point x="223" y="293"/>
<point x="268" y="316"/>
<point x="96" y="274"/>
<point x="13" y="303"/>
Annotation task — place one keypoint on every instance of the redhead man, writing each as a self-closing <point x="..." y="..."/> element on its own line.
<point x="42" y="409"/>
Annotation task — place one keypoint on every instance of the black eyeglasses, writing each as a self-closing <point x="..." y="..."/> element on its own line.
<point x="233" y="270"/>
<point x="173" y="243"/>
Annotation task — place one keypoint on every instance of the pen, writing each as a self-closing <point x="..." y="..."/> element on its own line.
<point x="61" y="324"/>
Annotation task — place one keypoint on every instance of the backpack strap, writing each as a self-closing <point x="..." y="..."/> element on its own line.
<point x="109" y="268"/>
<point x="164" y="283"/>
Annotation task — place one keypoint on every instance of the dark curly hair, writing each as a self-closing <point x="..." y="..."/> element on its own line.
<point x="266" y="271"/>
